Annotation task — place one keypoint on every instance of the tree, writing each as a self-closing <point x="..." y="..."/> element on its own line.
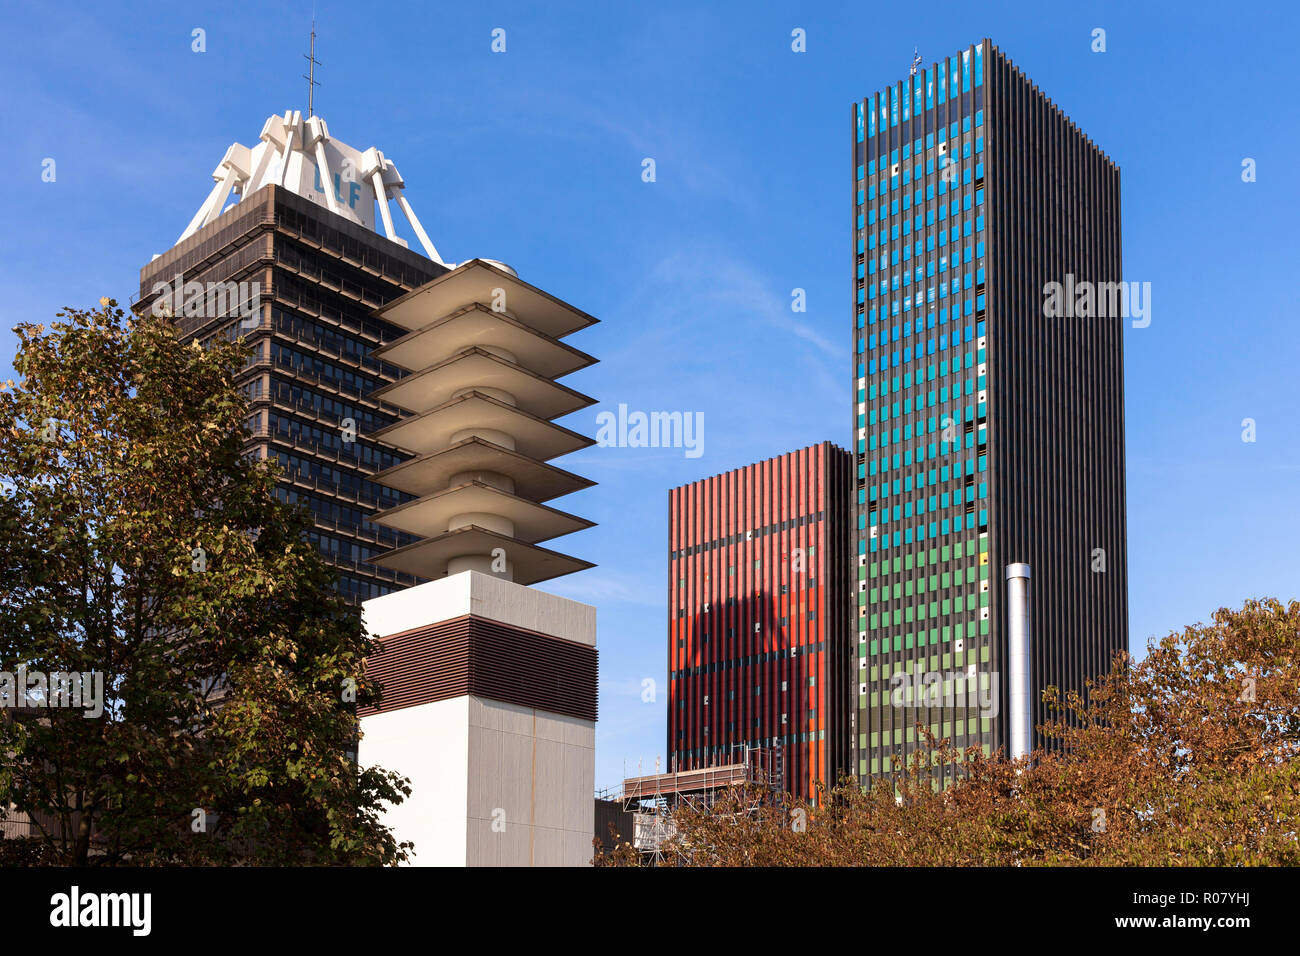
<point x="1186" y="758"/>
<point x="139" y="542"/>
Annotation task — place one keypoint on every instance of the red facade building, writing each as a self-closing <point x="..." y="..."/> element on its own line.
<point x="759" y="617"/>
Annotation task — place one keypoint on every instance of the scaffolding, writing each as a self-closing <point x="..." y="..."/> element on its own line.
<point x="652" y="799"/>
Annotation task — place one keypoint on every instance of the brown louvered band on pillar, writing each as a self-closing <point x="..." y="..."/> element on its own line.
<point x="474" y="655"/>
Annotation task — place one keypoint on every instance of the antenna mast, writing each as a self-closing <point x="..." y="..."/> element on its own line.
<point x="310" y="75"/>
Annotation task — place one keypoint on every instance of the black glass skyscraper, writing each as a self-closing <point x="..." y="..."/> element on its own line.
<point x="988" y="429"/>
<point x="320" y="277"/>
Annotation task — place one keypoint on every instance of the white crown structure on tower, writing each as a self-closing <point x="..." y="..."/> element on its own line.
<point x="300" y="155"/>
<point x="483" y="350"/>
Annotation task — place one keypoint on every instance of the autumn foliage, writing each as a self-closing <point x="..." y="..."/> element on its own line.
<point x="1185" y="758"/>
<point x="139" y="541"/>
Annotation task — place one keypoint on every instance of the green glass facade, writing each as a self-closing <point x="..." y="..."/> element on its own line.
<point x="956" y="379"/>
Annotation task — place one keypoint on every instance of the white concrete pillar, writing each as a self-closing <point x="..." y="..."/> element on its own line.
<point x="1020" y="678"/>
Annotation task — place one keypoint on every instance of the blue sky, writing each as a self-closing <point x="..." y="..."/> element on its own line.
<point x="534" y="156"/>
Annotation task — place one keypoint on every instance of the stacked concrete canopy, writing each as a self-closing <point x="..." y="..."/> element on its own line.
<point x="490" y="687"/>
<point x="484" y="352"/>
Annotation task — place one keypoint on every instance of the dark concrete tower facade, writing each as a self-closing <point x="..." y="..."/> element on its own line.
<point x="300" y="274"/>
<point x="988" y="427"/>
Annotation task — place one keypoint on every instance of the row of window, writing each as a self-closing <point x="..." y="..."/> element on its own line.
<point x="310" y="226"/>
<point x="935" y="529"/>
<point x="935" y="265"/>
<point x="895" y="253"/>
<point x="758" y="690"/>
<point x="933" y="318"/>
<point x="333" y="310"/>
<point x="973" y="441"/>
<point x="974" y="653"/>
<point x="748" y="660"/>
<point x="330" y="478"/>
<point x="954" y="419"/>
<point x="886" y="764"/>
<point x="957" y="603"/>
<point x="926" y="243"/>
<point x="948" y="171"/>
<point x="923" y="505"/>
<point x="326" y="273"/>
<point x="910" y="640"/>
<point x="783" y="621"/>
<point x="947" y="87"/>
<point x="968" y="727"/>
<point x="908" y="565"/>
<point x="308" y="435"/>
<point x="362" y="589"/>
<point x="948" y="414"/>
<point x="336" y="375"/>
<point x="325" y="406"/>
<point x="341" y="343"/>
<point x="338" y="549"/>
<point x="779" y="526"/>
<point x="731" y="725"/>
<point x="923" y="479"/>
<point x="330" y="511"/>
<point x="685" y="758"/>
<point x="958" y="131"/>
<point x="972" y="306"/>
<point x="923" y="95"/>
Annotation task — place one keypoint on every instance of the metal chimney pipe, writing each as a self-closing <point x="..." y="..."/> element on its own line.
<point x="1019" y="661"/>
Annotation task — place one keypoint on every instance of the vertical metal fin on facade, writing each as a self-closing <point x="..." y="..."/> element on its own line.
<point x="759" y="652"/>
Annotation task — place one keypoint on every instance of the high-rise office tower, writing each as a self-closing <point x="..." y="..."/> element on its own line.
<point x="297" y="268"/>
<point x="759" y="638"/>
<point x="987" y="430"/>
<point x="410" y="403"/>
